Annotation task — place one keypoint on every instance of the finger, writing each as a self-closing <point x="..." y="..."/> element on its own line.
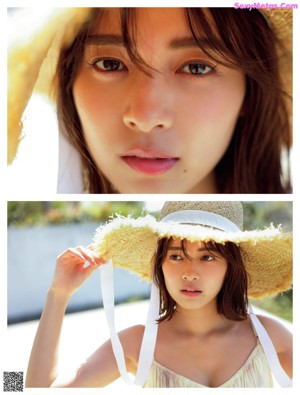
<point x="77" y="253"/>
<point x="91" y="256"/>
<point x="98" y="258"/>
<point x="70" y="254"/>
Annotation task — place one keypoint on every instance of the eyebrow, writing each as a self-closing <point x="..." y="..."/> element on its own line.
<point x="117" y="40"/>
<point x="180" y="249"/>
<point x="188" y="42"/>
<point x="105" y="39"/>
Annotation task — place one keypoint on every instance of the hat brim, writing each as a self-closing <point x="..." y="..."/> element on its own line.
<point x="267" y="254"/>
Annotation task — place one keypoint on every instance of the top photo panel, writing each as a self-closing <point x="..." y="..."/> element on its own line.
<point x="150" y="100"/>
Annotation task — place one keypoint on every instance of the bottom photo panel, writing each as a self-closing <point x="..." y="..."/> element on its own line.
<point x="152" y="294"/>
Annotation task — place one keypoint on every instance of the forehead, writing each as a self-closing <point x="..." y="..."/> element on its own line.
<point x="150" y="32"/>
<point x="177" y="242"/>
<point x="146" y="24"/>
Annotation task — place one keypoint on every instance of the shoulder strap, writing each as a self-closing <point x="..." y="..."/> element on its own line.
<point x="278" y="372"/>
<point x="150" y="334"/>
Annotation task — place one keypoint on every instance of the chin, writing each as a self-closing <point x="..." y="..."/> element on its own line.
<point x="153" y="186"/>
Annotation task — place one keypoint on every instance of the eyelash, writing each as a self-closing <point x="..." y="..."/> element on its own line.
<point x="94" y="62"/>
<point x="119" y="63"/>
<point x="203" y="257"/>
<point x="195" y="63"/>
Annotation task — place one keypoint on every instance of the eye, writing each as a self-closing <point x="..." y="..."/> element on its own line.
<point x="196" y="68"/>
<point x="208" y="258"/>
<point x="108" y="65"/>
<point x="175" y="257"/>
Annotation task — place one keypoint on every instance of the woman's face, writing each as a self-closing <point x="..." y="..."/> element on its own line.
<point x="158" y="133"/>
<point x="193" y="280"/>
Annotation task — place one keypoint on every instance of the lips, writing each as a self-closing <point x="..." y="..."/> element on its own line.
<point x="149" y="162"/>
<point x="191" y="292"/>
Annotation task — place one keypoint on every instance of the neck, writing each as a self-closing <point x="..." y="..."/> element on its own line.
<point x="198" y="322"/>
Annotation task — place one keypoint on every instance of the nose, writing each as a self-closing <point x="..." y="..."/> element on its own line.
<point x="149" y="105"/>
<point x="190" y="272"/>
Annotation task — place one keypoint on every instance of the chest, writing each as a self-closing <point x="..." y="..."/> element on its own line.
<point x="208" y="361"/>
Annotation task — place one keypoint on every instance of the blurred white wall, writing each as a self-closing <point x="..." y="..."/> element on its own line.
<point x="32" y="255"/>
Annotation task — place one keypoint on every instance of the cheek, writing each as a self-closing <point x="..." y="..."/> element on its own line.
<point x="210" y="122"/>
<point x="94" y="105"/>
<point x="217" y="105"/>
<point x="170" y="272"/>
<point x="218" y="275"/>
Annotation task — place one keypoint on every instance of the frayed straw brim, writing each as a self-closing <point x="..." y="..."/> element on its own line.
<point x="33" y="53"/>
<point x="267" y="254"/>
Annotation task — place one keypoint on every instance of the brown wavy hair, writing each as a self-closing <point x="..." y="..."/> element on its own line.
<point x="232" y="299"/>
<point x="242" y="39"/>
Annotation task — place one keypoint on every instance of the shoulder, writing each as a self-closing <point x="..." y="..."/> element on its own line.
<point x="282" y="340"/>
<point x="279" y="334"/>
<point x="131" y="339"/>
<point x="135" y="332"/>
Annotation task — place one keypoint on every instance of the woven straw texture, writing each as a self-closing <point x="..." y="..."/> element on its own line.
<point x="267" y="254"/>
<point x="230" y="210"/>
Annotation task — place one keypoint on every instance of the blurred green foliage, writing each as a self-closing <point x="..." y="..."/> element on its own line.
<point x="44" y="213"/>
<point x="258" y="215"/>
<point x="281" y="305"/>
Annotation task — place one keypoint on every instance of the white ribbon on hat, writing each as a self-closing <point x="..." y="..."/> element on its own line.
<point x="69" y="177"/>
<point x="150" y="334"/>
<point x="199" y="217"/>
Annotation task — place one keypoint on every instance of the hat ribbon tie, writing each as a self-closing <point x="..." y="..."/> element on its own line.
<point x="150" y="333"/>
<point x="199" y="217"/>
<point x="278" y="372"/>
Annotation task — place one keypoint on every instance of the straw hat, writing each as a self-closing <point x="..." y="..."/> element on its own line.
<point x="267" y="254"/>
<point x="33" y="54"/>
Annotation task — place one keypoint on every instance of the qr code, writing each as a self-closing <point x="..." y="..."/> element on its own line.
<point x="13" y="382"/>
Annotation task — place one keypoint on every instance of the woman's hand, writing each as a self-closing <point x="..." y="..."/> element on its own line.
<point x="73" y="267"/>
